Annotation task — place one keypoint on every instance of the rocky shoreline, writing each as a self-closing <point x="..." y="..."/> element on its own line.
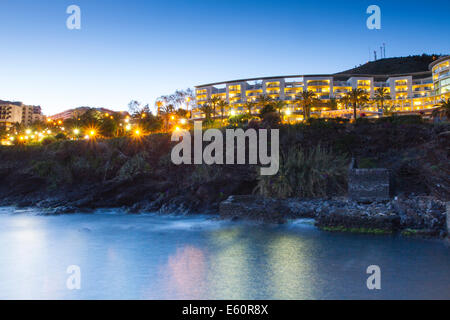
<point x="410" y="216"/>
<point x="423" y="216"/>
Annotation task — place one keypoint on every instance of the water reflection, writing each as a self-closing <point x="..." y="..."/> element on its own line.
<point x="154" y="257"/>
<point x="186" y="273"/>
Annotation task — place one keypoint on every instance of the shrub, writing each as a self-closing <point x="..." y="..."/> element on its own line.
<point x="408" y="119"/>
<point x="204" y="173"/>
<point x="60" y="136"/>
<point x="135" y="166"/>
<point x="48" y="140"/>
<point x="271" y="120"/>
<point x="306" y="173"/>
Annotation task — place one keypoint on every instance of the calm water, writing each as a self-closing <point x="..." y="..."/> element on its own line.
<point x="153" y="257"/>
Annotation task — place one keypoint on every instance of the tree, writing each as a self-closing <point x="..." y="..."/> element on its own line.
<point x="345" y="100"/>
<point x="357" y="97"/>
<point x="134" y="107"/>
<point x="213" y="102"/>
<point x="443" y="110"/>
<point x="166" y="110"/>
<point x="207" y="110"/>
<point x="279" y="105"/>
<point x="150" y="123"/>
<point x="223" y="105"/>
<point x="307" y="99"/>
<point x="249" y="105"/>
<point x="183" y="113"/>
<point x="268" y="108"/>
<point x="381" y="95"/>
<point x="332" y="104"/>
<point x="263" y="100"/>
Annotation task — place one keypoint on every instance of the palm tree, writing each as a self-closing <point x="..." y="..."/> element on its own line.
<point x="357" y="96"/>
<point x="263" y="100"/>
<point x="307" y="99"/>
<point x="345" y="100"/>
<point x="333" y="104"/>
<point x="213" y="102"/>
<point x="249" y="105"/>
<point x="443" y="109"/>
<point x="279" y="105"/>
<point x="381" y="95"/>
<point x="165" y="111"/>
<point x="207" y="109"/>
<point x="222" y="104"/>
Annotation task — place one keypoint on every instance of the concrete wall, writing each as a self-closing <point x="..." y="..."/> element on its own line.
<point x="369" y="184"/>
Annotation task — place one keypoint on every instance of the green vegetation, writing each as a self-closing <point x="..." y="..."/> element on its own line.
<point x="316" y="172"/>
<point x="357" y="230"/>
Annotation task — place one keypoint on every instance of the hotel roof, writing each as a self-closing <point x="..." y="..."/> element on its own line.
<point x="415" y="75"/>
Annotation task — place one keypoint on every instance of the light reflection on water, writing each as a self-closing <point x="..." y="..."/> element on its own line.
<point x="167" y="257"/>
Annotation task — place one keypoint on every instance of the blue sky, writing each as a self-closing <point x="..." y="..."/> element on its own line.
<point x="143" y="49"/>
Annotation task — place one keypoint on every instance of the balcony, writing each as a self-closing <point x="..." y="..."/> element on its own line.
<point x="273" y="86"/>
<point x="420" y="82"/>
<point x="441" y="69"/>
<point x="422" y="89"/>
<point x="254" y="87"/>
<point x="293" y="85"/>
<point x="424" y="95"/>
<point x="318" y="83"/>
<point x="340" y="84"/>
<point x="444" y="75"/>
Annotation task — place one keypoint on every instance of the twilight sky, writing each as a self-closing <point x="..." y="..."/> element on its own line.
<point x="143" y="49"/>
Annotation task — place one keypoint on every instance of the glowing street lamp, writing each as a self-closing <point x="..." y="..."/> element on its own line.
<point x="76" y="131"/>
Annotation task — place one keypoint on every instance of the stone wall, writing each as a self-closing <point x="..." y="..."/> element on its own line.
<point x="369" y="184"/>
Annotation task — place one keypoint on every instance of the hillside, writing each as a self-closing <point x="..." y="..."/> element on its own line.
<point x="396" y="65"/>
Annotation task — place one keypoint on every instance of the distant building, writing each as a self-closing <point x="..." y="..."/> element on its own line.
<point x="417" y="92"/>
<point x="16" y="112"/>
<point x="10" y="114"/>
<point x="73" y="113"/>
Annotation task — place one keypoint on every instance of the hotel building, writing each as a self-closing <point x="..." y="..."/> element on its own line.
<point x="410" y="93"/>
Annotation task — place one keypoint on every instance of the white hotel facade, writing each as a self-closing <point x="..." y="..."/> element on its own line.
<point x="410" y="93"/>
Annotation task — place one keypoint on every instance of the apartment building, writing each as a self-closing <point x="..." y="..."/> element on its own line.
<point x="410" y="93"/>
<point x="31" y="114"/>
<point x="10" y="114"/>
<point x="16" y="112"/>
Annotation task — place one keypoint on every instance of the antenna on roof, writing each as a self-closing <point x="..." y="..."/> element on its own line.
<point x="384" y="50"/>
<point x="375" y="54"/>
